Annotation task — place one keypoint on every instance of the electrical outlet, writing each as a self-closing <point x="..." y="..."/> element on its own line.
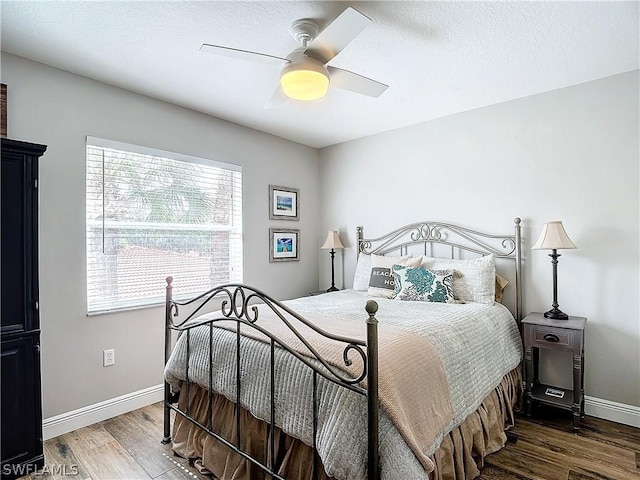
<point x="108" y="357"/>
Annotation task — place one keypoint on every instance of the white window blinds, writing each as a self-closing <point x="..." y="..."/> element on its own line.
<point x="153" y="214"/>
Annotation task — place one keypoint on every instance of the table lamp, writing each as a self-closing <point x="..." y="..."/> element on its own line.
<point x="333" y="242"/>
<point x="553" y="237"/>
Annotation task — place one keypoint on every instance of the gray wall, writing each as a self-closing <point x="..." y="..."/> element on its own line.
<point x="570" y="155"/>
<point x="59" y="109"/>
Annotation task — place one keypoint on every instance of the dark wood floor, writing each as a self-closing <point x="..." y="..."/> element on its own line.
<point x="128" y="447"/>
<point x="544" y="447"/>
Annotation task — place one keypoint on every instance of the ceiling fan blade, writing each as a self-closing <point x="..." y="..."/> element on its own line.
<point x="277" y="99"/>
<point x="243" y="54"/>
<point x="338" y="34"/>
<point x="353" y="82"/>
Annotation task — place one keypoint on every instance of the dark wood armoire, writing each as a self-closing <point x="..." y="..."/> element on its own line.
<point x="21" y="407"/>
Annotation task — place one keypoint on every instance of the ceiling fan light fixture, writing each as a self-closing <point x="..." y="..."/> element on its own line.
<point x="305" y="81"/>
<point x="307" y="74"/>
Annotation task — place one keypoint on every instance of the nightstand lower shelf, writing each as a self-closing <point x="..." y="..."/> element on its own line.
<point x="554" y="396"/>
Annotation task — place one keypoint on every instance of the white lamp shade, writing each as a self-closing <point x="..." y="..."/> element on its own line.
<point x="553" y="237"/>
<point x="332" y="241"/>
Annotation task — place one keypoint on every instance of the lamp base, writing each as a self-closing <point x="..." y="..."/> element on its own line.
<point x="556" y="314"/>
<point x="332" y="289"/>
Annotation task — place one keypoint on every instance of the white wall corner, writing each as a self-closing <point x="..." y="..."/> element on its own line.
<point x="82" y="417"/>
<point x="614" y="411"/>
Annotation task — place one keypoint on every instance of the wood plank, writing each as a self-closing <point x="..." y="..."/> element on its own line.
<point x="112" y="461"/>
<point x="581" y="474"/>
<point x="156" y="412"/>
<point x="140" y="436"/>
<point x="578" y="465"/>
<point x="524" y="464"/>
<point x="184" y="472"/>
<point x="611" y="433"/>
<point x="88" y="438"/>
<point x="57" y="453"/>
<point x="490" y="472"/>
<point x="60" y="453"/>
<point x="575" y="450"/>
<point x="615" y="434"/>
<point x="108" y="460"/>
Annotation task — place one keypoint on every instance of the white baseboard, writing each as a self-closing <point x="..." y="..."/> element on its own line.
<point x="614" y="411"/>
<point x="70" y="421"/>
<point x="82" y="417"/>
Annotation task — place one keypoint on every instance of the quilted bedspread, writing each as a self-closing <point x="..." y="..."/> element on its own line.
<point x="476" y="344"/>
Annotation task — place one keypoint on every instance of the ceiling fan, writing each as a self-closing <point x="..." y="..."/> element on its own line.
<point x="305" y="74"/>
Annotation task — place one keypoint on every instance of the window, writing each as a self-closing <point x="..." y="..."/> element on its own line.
<point x="153" y="214"/>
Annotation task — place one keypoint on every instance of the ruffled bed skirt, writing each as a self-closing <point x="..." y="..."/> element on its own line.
<point x="460" y="455"/>
<point x="462" y="452"/>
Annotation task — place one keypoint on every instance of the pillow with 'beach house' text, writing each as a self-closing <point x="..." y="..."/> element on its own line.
<point x="381" y="282"/>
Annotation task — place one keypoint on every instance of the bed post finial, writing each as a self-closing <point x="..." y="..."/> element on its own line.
<point x="358" y="240"/>
<point x="373" y="469"/>
<point x="371" y="307"/>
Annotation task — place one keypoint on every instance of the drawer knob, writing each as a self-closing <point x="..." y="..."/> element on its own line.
<point x="550" y="337"/>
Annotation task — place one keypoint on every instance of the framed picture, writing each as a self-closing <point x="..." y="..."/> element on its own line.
<point x="284" y="203"/>
<point x="284" y="245"/>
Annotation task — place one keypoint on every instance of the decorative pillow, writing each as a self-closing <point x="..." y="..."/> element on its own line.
<point x="422" y="285"/>
<point x="501" y="283"/>
<point x="381" y="282"/>
<point x="477" y="279"/>
<point x="363" y="273"/>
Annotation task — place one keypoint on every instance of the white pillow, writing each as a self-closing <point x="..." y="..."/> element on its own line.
<point x="363" y="273"/>
<point x="381" y="283"/>
<point x="476" y="281"/>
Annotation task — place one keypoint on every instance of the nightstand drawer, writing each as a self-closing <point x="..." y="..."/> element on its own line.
<point x="550" y="335"/>
<point x="555" y="338"/>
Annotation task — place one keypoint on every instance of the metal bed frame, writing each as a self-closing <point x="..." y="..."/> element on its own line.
<point x="458" y="239"/>
<point x="238" y="303"/>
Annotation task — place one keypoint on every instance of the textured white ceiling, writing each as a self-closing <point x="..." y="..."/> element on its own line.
<point x="438" y="58"/>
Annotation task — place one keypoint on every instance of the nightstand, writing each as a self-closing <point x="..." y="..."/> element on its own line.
<point x="560" y="335"/>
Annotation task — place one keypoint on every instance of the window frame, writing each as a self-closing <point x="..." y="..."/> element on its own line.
<point x="235" y="229"/>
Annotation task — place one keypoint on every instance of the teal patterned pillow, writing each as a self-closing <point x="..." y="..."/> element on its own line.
<point x="422" y="285"/>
